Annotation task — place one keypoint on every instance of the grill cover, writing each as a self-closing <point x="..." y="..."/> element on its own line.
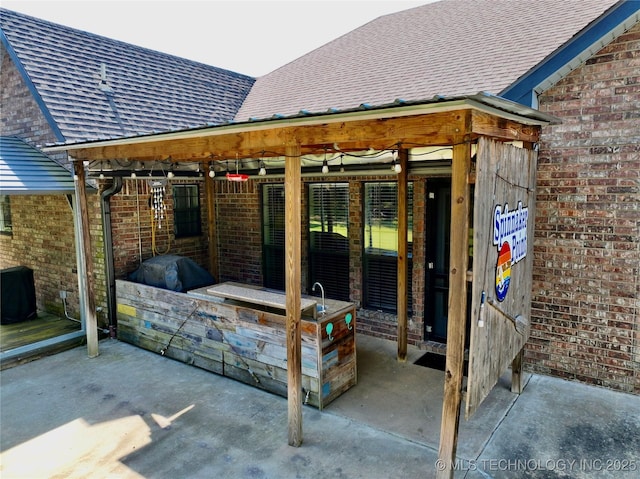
<point x="173" y="272"/>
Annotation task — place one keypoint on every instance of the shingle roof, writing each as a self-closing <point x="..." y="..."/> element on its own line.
<point x="146" y="90"/>
<point x="451" y="48"/>
<point x="26" y="170"/>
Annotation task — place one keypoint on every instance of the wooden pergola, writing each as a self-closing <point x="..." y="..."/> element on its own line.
<point x="458" y="123"/>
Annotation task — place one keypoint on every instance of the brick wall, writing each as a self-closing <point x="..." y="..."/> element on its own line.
<point x="51" y="256"/>
<point x="586" y="290"/>
<point x="43" y="239"/>
<point x="239" y="240"/>
<point x="135" y="231"/>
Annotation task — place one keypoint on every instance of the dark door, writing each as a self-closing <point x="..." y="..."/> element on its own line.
<point x="437" y="259"/>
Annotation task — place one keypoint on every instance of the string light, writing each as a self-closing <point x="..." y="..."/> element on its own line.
<point x="325" y="166"/>
<point x="212" y="172"/>
<point x="397" y="167"/>
<point x="263" y="169"/>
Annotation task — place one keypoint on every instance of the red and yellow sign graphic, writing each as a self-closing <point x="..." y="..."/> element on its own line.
<point x="503" y="271"/>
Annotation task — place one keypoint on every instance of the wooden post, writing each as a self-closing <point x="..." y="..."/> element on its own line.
<point x="293" y="224"/>
<point x="458" y="263"/>
<point x="403" y="256"/>
<point x="91" y="320"/>
<point x="211" y="226"/>
<point x="516" y="373"/>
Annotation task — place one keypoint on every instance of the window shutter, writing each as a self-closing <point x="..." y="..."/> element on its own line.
<point x="329" y="238"/>
<point x="273" y="225"/>
<point x="381" y="245"/>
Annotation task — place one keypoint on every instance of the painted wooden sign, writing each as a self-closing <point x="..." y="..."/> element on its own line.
<point x="503" y="225"/>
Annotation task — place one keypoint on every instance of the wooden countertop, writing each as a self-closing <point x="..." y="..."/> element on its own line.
<point x="255" y="294"/>
<point x="266" y="297"/>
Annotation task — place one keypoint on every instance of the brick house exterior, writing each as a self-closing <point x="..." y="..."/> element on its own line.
<point x="43" y="236"/>
<point x="586" y="285"/>
<point x="57" y="85"/>
<point x="586" y="290"/>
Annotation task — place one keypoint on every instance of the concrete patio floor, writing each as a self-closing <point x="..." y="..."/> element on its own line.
<point x="131" y="413"/>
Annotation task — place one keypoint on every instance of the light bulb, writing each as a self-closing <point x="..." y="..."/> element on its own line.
<point x="133" y="174"/>
<point x="397" y="168"/>
<point x="170" y="174"/>
<point x="263" y="171"/>
<point x="102" y="176"/>
<point x="325" y="167"/>
<point x="212" y="172"/>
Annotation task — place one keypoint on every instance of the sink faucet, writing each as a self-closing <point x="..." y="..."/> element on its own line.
<point x="313" y="288"/>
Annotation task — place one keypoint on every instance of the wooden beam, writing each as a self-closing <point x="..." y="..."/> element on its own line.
<point x="457" y="312"/>
<point x="485" y="124"/>
<point x="419" y="130"/>
<point x="211" y="228"/>
<point x="403" y="255"/>
<point x="293" y="225"/>
<point x="91" y="320"/>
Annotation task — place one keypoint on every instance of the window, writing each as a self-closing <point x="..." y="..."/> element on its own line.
<point x="381" y="245"/>
<point x="273" y="224"/>
<point x="6" y="228"/>
<point x="329" y="238"/>
<point x="186" y="211"/>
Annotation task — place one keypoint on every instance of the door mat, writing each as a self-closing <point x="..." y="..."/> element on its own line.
<point x="436" y="361"/>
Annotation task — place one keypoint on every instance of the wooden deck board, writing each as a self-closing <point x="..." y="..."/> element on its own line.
<point x="45" y="326"/>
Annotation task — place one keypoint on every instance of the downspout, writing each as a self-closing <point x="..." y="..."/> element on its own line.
<point x="108" y="253"/>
